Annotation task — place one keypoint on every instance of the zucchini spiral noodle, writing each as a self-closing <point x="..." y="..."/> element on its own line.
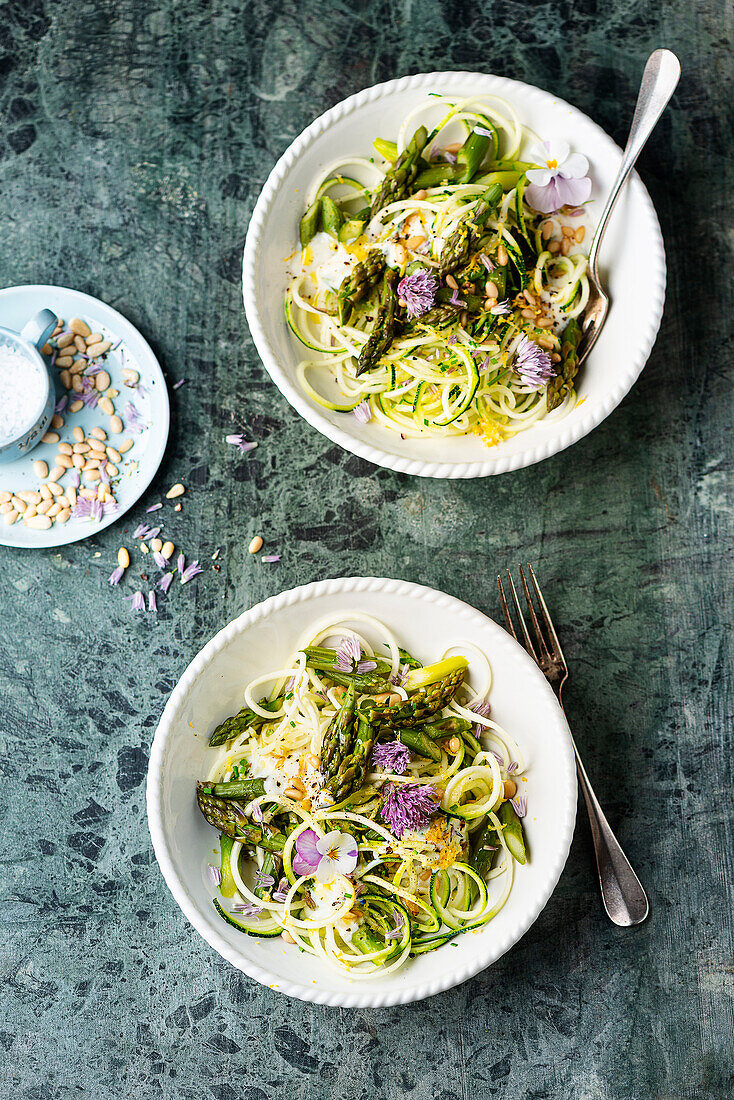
<point x="405" y="800"/>
<point x="505" y="281"/>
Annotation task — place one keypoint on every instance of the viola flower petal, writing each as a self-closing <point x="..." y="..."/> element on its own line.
<point x="575" y="166"/>
<point x="307" y="856"/>
<point x="573" y="191"/>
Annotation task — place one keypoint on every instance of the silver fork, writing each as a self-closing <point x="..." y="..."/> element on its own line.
<point x="624" y="898"/>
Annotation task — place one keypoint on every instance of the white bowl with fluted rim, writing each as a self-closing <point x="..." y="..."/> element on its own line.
<point x="632" y="259"/>
<point x="261" y="639"/>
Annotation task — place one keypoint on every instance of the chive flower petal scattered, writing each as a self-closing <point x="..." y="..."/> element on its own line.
<point x="398" y="923"/>
<point x="247" y="909"/>
<point x="363" y="412"/>
<point x="348" y="654"/>
<point x="181" y="563"/>
<point x="408" y="806"/>
<point x="366" y="666"/>
<point x="519" y="804"/>
<point x="238" y="440"/>
<point x="213" y="874"/>
<point x="418" y="291"/>
<point x="282" y="892"/>
<point x="160" y="561"/>
<point x="270" y="557"/>
<point x="501" y="308"/>
<point x="138" y="601"/>
<point x="190" y="572"/>
<point x="456" y="300"/>
<point x="392" y="756"/>
<point x="152" y="605"/>
<point x="154" y="507"/>
<point x="512" y="767"/>
<point x="165" y="582"/>
<point x="532" y="364"/>
<point x="263" y="881"/>
<point x="115" y="576"/>
<point x="179" y="384"/>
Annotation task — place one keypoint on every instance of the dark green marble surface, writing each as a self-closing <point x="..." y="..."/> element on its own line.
<point x="135" y="137"/>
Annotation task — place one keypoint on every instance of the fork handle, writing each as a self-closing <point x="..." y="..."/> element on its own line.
<point x="624" y="898"/>
<point x="659" y="81"/>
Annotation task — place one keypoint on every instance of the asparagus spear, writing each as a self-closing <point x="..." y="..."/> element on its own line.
<point x="383" y="333"/>
<point x="310" y="222"/>
<point x="485" y="850"/>
<point x="242" y="789"/>
<point x="238" y="723"/>
<point x="229" y="818"/>
<point x="472" y="153"/>
<point x="419" y="742"/>
<point x="368" y="683"/>
<point x="468" y="232"/>
<point x="436" y="174"/>
<point x="352" y="769"/>
<point x="560" y="386"/>
<point x="359" y="283"/>
<point x="324" y="659"/>
<point x="397" y="180"/>
<point x="339" y="736"/>
<point x="419" y="705"/>
<point x="446" y="727"/>
<point x="513" y="833"/>
<point x="331" y="217"/>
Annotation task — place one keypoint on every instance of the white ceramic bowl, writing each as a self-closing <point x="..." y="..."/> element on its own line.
<point x="633" y="262"/>
<point x="211" y="688"/>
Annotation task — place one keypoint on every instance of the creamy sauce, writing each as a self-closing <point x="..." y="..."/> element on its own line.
<point x="22" y="392"/>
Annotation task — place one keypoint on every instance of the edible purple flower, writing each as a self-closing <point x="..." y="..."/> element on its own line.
<point x="456" y="300"/>
<point x="190" y="572"/>
<point x="257" y="813"/>
<point x="165" y="582"/>
<point x="366" y="666"/>
<point x="482" y="707"/>
<point x="154" y="507"/>
<point x="213" y="874"/>
<point x="181" y="563"/>
<point x="238" y="440"/>
<point x="398" y="923"/>
<point x="270" y="557"/>
<point x="363" y="412"/>
<point x="501" y="308"/>
<point x="138" y="601"/>
<point x="519" y="804"/>
<point x="512" y="767"/>
<point x="483" y="131"/>
<point x="326" y="856"/>
<point x="115" y="576"/>
<point x="532" y="364"/>
<point x="247" y="909"/>
<point x="408" y="806"/>
<point x="142" y="531"/>
<point x="61" y="403"/>
<point x="160" y="561"/>
<point x="347" y="655"/>
<point x="282" y="892"/>
<point x="104" y="477"/>
<point x="498" y="758"/>
<point x="152" y="605"/>
<point x="133" y="419"/>
<point x="263" y="881"/>
<point x="560" y="180"/>
<point x="179" y="384"/>
<point x="392" y="756"/>
<point x="418" y="291"/>
<point x="82" y="509"/>
<point x="486" y="261"/>
<point x="400" y="678"/>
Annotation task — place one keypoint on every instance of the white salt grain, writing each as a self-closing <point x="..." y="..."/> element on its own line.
<point x="22" y="392"/>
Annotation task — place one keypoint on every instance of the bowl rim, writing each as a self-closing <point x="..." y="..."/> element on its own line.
<point x="368" y="995"/>
<point x="567" y="434"/>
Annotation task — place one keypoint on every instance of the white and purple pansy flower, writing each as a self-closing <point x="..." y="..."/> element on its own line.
<point x="561" y="177"/>
<point x="326" y="856"/>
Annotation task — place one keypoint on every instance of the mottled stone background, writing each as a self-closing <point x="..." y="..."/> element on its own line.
<point x="135" y="137"/>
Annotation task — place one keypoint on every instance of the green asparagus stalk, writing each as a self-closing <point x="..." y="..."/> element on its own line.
<point x="560" y="386"/>
<point x="386" y="149"/>
<point x="331" y="217"/>
<point x="359" y="283"/>
<point x="472" y="154"/>
<point x="324" y="659"/>
<point x="310" y="223"/>
<point x="368" y="683"/>
<point x="385" y="326"/>
<point x="238" y="723"/>
<point x="485" y="850"/>
<point x="419" y="742"/>
<point x="352" y="769"/>
<point x="339" y="736"/>
<point x="418" y="706"/>
<point x="242" y="789"/>
<point x="447" y="727"/>
<point x="437" y="174"/>
<point x="398" y="179"/>
<point x="512" y="832"/>
<point x="229" y="818"/>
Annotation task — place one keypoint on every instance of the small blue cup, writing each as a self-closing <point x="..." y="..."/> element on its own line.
<point x="28" y="342"/>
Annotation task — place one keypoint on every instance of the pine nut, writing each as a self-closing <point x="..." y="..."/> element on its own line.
<point x="95" y="350"/>
<point x="46" y="493"/>
<point x="123" y="557"/>
<point x="80" y="345"/>
<point x="546" y="342"/>
<point x="102" y="380"/>
<point x="545" y="322"/>
<point x="30" y="496"/>
<point x="88" y="494"/>
<point x="400" y="254"/>
<point x="43" y="507"/>
<point x="111" y="393"/>
<point x="55" y="488"/>
<point x="19" y="505"/>
<point x="95" y="446"/>
<point x="176" y="490"/>
<point x="63" y="515"/>
<point x="491" y="289"/>
<point x="167" y="550"/>
<point x="47" y="350"/>
<point x="420" y="195"/>
<point x="30" y="511"/>
<point x="555" y="357"/>
<point x="565" y="246"/>
<point x="502" y="255"/>
<point x="554" y="247"/>
<point x="64" y="340"/>
<point x="451" y="281"/>
<point x="62" y="501"/>
<point x="71" y="495"/>
<point x="65" y="379"/>
<point x="106" y="406"/>
<point x="57" y="421"/>
<point x="11" y="517"/>
<point x="579" y="234"/>
<point x="454" y="147"/>
<point x="40" y="468"/>
<point x="64" y="361"/>
<point x="115" y="424"/>
<point x="94" y="338"/>
<point x="80" y="448"/>
<point x="510" y="789"/>
<point x="156" y="545"/>
<point x="91" y="463"/>
<point x="113" y="455"/>
<point x="98" y="433"/>
<point x="112" y="470"/>
<point x="78" y="461"/>
<point x="78" y="434"/>
<point x="77" y="366"/>
<point x="6" y="507"/>
<point x="454" y="745"/>
<point x="50" y="437"/>
<point x="54" y="510"/>
<point x="528" y="314"/>
<point x="256" y="544"/>
<point x="285" y="935"/>
<point x="91" y="476"/>
<point x="415" y="242"/>
<point x="313" y="761"/>
<point x="130" y="377"/>
<point x="38" y="523"/>
<point x="5" y="496"/>
<point x="125" y="446"/>
<point x="75" y="406"/>
<point x="81" y="328"/>
<point x="339" y="692"/>
<point x="547" y="230"/>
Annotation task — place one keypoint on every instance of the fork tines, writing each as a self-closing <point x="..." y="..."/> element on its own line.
<point x="546" y="647"/>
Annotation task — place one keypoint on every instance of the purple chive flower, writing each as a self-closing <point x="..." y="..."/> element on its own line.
<point x="519" y="804"/>
<point x="501" y="308"/>
<point x="247" y="909"/>
<point x="190" y="572"/>
<point x="452" y="339"/>
<point x="54" y="356"/>
<point x="363" y="412"/>
<point x="408" y="806"/>
<point x="152" y="605"/>
<point x="213" y="874"/>
<point x="82" y="508"/>
<point x="418" y="291"/>
<point x="257" y="813"/>
<point x="263" y="881"/>
<point x="400" y="678"/>
<point x="512" y="767"/>
<point x="532" y="364"/>
<point x="165" y="582"/>
<point x="104" y="477"/>
<point x="160" y="561"/>
<point x="497" y="757"/>
<point x="485" y="364"/>
<point x="179" y="384"/>
<point x="115" y="576"/>
<point x="450" y="157"/>
<point x="347" y="655"/>
<point x="282" y="892"/>
<point x="75" y="479"/>
<point x="138" y="601"/>
<point x="109" y="507"/>
<point x="484" y="708"/>
<point x="366" y="666"/>
<point x="483" y="131"/>
<point x="392" y="757"/>
<point x="133" y="419"/>
<point x="154" y="507"/>
<point x="486" y="261"/>
<point x="457" y="301"/>
<point x="181" y="563"/>
<point x="95" y="510"/>
<point x="238" y="440"/>
<point x="142" y="531"/>
<point x="268" y="558"/>
<point x="398" y="923"/>
<point x="61" y="404"/>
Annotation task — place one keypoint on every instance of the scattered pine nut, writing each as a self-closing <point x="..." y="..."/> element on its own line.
<point x="454" y="745"/>
<point x="106" y="406"/>
<point x="125" y="446"/>
<point x="11" y="516"/>
<point x="91" y="476"/>
<point x="38" y="523"/>
<point x="98" y="433"/>
<point x="579" y="234"/>
<point x="63" y="515"/>
<point x="285" y="935"/>
<point x="256" y="544"/>
<point x="545" y="322"/>
<point x="156" y="545"/>
<point x="112" y="470"/>
<point x="177" y="507"/>
<point x="47" y="350"/>
<point x="502" y="255"/>
<point x="65" y="378"/>
<point x="55" y="488"/>
<point x="64" y="340"/>
<point x="81" y="328"/>
<point x="71" y="495"/>
<point x="77" y="366"/>
<point x="64" y="361"/>
<point x="567" y="231"/>
<point x="52" y="510"/>
<point x="115" y="422"/>
<point x="78" y="461"/>
<point x="565" y="246"/>
<point x="176" y="490"/>
<point x="130" y="377"/>
<point x="75" y="406"/>
<point x="78" y="434"/>
<point x="30" y="496"/>
<point x="46" y="493"/>
<point x="554" y="247"/>
<point x="5" y="496"/>
<point x="528" y="314"/>
<point x="510" y="788"/>
<point x="451" y="281"/>
<point x="415" y="242"/>
<point x="57" y="421"/>
<point x="167" y="550"/>
<point x="113" y="455"/>
<point x="40" y="468"/>
<point x="420" y="195"/>
<point x="546" y="342"/>
<point x="6" y="507"/>
<point x="94" y="338"/>
<point x="95" y="350"/>
<point x="50" y="437"/>
<point x="19" y="505"/>
<point x="123" y="557"/>
<point x="80" y="448"/>
<point x="102" y="380"/>
<point x="547" y="230"/>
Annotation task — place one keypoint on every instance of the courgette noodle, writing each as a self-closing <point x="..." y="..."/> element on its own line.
<point x="454" y="370"/>
<point x="413" y="887"/>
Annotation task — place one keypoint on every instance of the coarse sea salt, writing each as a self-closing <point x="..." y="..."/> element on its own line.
<point x="22" y="392"/>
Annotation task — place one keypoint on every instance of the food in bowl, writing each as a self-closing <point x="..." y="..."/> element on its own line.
<point x="369" y="808"/>
<point x="441" y="291"/>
